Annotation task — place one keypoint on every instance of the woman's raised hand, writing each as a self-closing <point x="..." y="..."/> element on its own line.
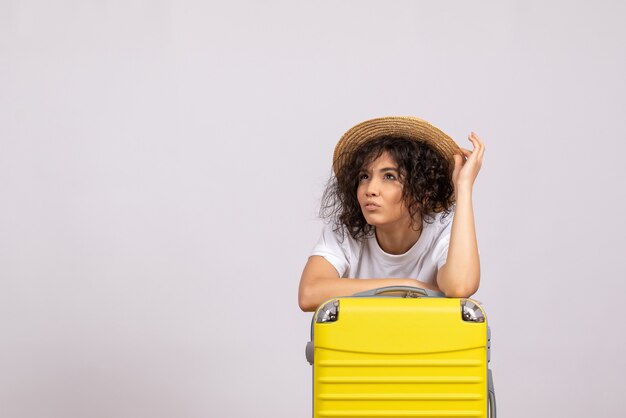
<point x="467" y="166"/>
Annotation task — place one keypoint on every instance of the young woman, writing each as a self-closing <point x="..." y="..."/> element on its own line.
<point x="401" y="213"/>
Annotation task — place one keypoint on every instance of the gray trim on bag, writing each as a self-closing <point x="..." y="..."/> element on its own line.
<point x="491" y="395"/>
<point x="411" y="292"/>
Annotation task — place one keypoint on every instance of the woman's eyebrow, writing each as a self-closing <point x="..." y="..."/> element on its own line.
<point x="382" y="170"/>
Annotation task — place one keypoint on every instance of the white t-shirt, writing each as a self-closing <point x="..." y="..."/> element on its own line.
<point x="366" y="260"/>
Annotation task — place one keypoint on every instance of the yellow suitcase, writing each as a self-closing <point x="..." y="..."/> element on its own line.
<point x="377" y="354"/>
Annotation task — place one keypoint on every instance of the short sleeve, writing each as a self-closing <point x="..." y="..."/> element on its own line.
<point x="440" y="249"/>
<point x="332" y="249"/>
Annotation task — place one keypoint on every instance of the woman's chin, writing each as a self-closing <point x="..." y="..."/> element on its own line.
<point x="372" y="221"/>
<point x="369" y="220"/>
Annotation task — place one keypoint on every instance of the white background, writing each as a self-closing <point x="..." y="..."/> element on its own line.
<point x="161" y="164"/>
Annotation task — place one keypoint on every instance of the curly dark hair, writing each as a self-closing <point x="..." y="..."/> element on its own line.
<point x="424" y="173"/>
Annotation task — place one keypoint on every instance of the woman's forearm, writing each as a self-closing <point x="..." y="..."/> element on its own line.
<point x="460" y="276"/>
<point x="316" y="292"/>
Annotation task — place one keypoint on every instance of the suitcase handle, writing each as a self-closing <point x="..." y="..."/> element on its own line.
<point x="411" y="292"/>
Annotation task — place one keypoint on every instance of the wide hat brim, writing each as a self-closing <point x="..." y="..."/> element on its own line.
<point x="406" y="126"/>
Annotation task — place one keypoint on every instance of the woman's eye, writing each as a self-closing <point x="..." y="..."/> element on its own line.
<point x="389" y="176"/>
<point x="363" y="176"/>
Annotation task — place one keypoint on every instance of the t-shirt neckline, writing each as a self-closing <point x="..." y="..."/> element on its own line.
<point x="399" y="258"/>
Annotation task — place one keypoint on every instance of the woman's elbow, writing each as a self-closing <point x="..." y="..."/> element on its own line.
<point x="460" y="291"/>
<point x="463" y="288"/>
<point x="305" y="305"/>
<point x="305" y="301"/>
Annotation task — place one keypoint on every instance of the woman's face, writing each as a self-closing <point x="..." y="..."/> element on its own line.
<point x="380" y="194"/>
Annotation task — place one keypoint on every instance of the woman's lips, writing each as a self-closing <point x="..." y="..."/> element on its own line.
<point x="371" y="206"/>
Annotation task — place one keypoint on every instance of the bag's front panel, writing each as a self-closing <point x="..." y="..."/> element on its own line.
<point x="350" y="384"/>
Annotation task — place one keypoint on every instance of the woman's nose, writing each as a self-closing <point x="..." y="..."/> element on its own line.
<point x="372" y="189"/>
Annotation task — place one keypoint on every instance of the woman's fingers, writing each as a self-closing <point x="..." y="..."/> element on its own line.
<point x="475" y="139"/>
<point x="467" y="162"/>
<point x="468" y="154"/>
<point x="479" y="146"/>
<point x="482" y="146"/>
<point x="478" y="143"/>
<point x="477" y="153"/>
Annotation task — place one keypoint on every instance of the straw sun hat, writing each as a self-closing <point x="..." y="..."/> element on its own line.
<point x="406" y="126"/>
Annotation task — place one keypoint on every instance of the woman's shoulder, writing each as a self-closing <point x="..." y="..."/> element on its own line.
<point x="442" y="219"/>
<point x="339" y="235"/>
<point x="337" y="231"/>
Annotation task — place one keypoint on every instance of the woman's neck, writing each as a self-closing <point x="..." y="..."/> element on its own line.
<point x="397" y="240"/>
